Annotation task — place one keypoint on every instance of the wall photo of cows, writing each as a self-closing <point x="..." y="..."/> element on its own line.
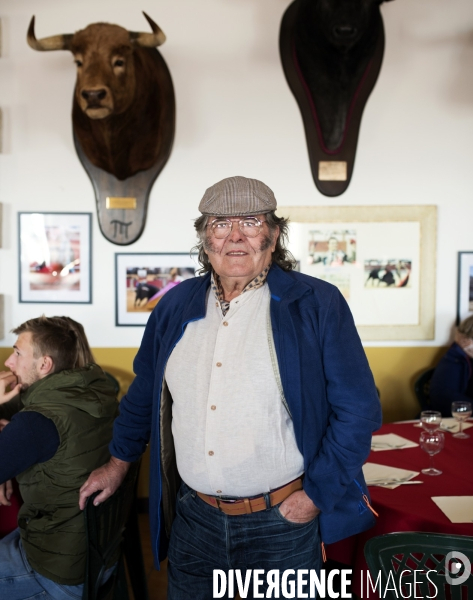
<point x="123" y="118"/>
<point x="331" y="52"/>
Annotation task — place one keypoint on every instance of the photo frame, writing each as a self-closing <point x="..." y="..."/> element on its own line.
<point x="382" y="258"/>
<point x="465" y="285"/>
<point x="142" y="279"/>
<point x="55" y="252"/>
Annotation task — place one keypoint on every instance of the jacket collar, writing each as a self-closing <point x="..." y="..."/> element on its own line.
<point x="285" y="284"/>
<point x="197" y="303"/>
<point x="282" y="285"/>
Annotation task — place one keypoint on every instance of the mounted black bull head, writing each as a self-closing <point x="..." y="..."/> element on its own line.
<point x="332" y="52"/>
<point x="123" y="113"/>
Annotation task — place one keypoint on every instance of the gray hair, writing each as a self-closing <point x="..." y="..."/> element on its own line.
<point x="281" y="255"/>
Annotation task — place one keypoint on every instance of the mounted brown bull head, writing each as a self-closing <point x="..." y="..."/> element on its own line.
<point x="123" y="110"/>
<point x="332" y="52"/>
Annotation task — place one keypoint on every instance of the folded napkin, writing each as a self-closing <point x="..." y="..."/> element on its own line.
<point x="459" y="509"/>
<point x="389" y="477"/>
<point x="452" y="425"/>
<point x="449" y="424"/>
<point x="390" y="441"/>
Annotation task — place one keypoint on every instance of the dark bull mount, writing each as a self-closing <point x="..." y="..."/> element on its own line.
<point x="124" y="224"/>
<point x="331" y="54"/>
<point x="123" y="118"/>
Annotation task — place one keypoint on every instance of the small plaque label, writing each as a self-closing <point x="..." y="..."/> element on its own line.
<point x="332" y="170"/>
<point x="120" y="202"/>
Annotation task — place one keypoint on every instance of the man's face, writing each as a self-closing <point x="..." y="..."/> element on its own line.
<point x="238" y="255"/>
<point x="22" y="362"/>
<point x="332" y="245"/>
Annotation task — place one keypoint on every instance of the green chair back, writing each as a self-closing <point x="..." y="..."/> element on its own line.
<point x="399" y="559"/>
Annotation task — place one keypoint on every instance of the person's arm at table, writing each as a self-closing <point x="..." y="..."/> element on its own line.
<point x="30" y="438"/>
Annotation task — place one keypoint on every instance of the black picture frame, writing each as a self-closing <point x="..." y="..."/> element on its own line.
<point x="153" y="274"/>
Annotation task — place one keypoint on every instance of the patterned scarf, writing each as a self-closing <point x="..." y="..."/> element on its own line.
<point x="254" y="284"/>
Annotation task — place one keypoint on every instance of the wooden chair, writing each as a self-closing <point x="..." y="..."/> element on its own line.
<point x="401" y="558"/>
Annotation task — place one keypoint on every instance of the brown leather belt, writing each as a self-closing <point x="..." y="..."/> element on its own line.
<point x="246" y="506"/>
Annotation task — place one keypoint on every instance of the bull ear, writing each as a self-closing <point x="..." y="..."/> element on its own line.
<point x="55" y="42"/>
<point x="148" y="40"/>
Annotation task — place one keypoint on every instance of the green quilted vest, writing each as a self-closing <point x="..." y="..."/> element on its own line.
<point x="83" y="406"/>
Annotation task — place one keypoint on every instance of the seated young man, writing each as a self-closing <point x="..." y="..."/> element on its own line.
<point x="60" y="434"/>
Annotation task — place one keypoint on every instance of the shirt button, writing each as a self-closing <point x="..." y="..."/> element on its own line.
<point x="225" y="324"/>
<point x="211" y="452"/>
<point x="219" y="491"/>
<point x="216" y="304"/>
<point x="213" y="407"/>
<point x="219" y="364"/>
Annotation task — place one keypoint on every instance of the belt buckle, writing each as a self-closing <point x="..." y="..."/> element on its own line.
<point x="217" y="500"/>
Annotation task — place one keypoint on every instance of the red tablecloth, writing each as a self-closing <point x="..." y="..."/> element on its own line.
<point x="410" y="507"/>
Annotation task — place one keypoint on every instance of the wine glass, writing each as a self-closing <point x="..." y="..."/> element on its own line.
<point x="461" y="410"/>
<point x="430" y="419"/>
<point x="431" y="442"/>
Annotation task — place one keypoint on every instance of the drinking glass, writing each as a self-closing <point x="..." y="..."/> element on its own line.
<point x="461" y="410"/>
<point x="431" y="442"/>
<point x="430" y="419"/>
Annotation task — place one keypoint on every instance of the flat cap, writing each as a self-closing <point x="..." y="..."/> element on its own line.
<point x="237" y="196"/>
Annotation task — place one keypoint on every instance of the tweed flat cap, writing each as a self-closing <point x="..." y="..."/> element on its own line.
<point x="237" y="196"/>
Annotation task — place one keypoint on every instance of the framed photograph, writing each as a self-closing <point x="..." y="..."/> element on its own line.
<point x="382" y="259"/>
<point x="465" y="286"/>
<point x="55" y="257"/>
<point x="141" y="280"/>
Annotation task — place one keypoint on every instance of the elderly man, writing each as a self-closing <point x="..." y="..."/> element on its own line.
<point x="255" y="388"/>
<point x="60" y="434"/>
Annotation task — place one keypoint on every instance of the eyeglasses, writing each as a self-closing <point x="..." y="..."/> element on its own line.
<point x="249" y="227"/>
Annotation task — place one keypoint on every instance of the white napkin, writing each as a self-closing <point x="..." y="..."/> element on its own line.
<point x="449" y="424"/>
<point x="390" y="441"/>
<point x="452" y="425"/>
<point x="459" y="509"/>
<point x="376" y="474"/>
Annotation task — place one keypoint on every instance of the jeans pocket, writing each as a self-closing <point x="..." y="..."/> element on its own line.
<point x="185" y="494"/>
<point x="293" y="523"/>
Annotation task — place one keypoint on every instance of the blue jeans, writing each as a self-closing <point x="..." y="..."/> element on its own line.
<point x="204" y="539"/>
<point x="18" y="581"/>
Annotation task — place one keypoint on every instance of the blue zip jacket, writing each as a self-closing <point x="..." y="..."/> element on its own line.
<point x="327" y="383"/>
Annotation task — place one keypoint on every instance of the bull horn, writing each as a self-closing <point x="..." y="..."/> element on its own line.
<point x="148" y="40"/>
<point x="54" y="42"/>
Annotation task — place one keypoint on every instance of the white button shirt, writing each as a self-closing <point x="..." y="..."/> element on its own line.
<point x="232" y="433"/>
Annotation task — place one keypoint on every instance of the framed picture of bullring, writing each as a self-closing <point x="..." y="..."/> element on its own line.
<point x="141" y="280"/>
<point x="55" y="257"/>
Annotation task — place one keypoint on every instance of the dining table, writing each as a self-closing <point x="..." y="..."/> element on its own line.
<point x="410" y="507"/>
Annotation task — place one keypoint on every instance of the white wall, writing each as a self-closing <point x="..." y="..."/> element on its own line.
<point x="236" y="115"/>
